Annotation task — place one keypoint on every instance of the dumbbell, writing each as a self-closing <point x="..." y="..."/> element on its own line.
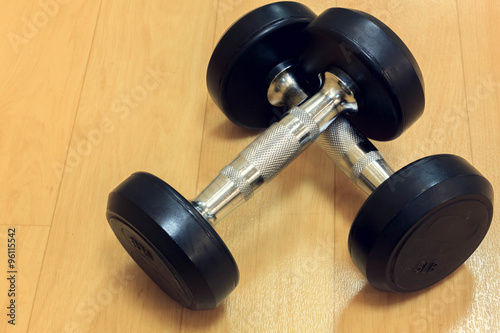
<point x="417" y="225"/>
<point x="173" y="240"/>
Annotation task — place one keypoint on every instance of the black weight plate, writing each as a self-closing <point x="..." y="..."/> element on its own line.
<point x="172" y="243"/>
<point x="391" y="87"/>
<point x="245" y="55"/>
<point x="421" y="224"/>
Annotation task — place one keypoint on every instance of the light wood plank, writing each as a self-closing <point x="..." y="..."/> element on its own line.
<point x="43" y="52"/>
<point x="479" y="31"/>
<point x="138" y="51"/>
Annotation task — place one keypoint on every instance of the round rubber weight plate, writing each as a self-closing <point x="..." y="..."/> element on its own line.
<point x="237" y="74"/>
<point x="421" y="224"/>
<point x="391" y="87"/>
<point x="171" y="242"/>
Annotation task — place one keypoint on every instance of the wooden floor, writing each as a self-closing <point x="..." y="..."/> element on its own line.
<point x="91" y="91"/>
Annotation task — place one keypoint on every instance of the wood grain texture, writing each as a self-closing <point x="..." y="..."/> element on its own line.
<point x="91" y="92"/>
<point x="43" y="66"/>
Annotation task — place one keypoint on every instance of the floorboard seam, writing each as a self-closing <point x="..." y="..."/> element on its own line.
<point x="464" y="81"/>
<point x="63" y="171"/>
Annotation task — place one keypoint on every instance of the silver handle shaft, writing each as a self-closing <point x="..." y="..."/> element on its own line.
<point x="273" y="150"/>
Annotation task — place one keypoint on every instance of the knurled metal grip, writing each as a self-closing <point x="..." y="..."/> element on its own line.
<point x="354" y="154"/>
<point x="282" y="143"/>
<point x="274" y="149"/>
<point x="271" y="152"/>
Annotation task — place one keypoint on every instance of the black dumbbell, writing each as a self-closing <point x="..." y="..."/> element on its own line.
<point x="172" y="239"/>
<point x="420" y="223"/>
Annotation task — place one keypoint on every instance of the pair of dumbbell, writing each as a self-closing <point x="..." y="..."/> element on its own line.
<point x="340" y="77"/>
